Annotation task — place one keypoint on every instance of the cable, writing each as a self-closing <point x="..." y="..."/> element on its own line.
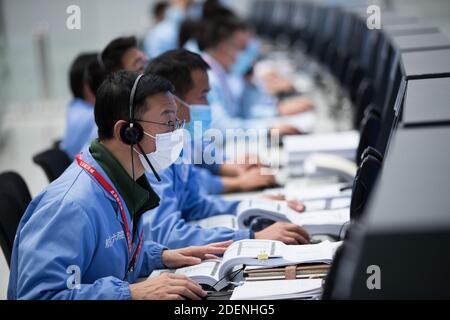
<point x="149" y="163"/>
<point x="235" y="272"/>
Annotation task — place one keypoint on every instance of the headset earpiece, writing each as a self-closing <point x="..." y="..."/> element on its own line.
<point x="131" y="133"/>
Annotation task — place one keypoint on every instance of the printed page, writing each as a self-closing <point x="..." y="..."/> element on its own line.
<point x="322" y="142"/>
<point x="321" y="252"/>
<point x="315" y="205"/>
<point x="339" y="203"/>
<point x="297" y="191"/>
<point x="338" y="217"/>
<point x="277" y="289"/>
<point x="223" y="220"/>
<point x="206" y="268"/>
<point x="254" y="248"/>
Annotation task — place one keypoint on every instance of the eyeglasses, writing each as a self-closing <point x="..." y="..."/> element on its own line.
<point x="173" y="125"/>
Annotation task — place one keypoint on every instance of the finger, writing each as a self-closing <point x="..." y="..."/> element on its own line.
<point x="184" y="291"/>
<point x="210" y="256"/>
<point x="186" y="283"/>
<point x="297" y="229"/>
<point x="215" y="247"/>
<point x="279" y="197"/>
<point x="175" y="276"/>
<point x="270" y="178"/>
<point x="225" y="244"/>
<point x="298" y="238"/>
<point x="174" y="297"/>
<point x="288" y="240"/>
<point x="190" y="260"/>
<point x="201" y="251"/>
<point x="296" y="205"/>
<point x="192" y="287"/>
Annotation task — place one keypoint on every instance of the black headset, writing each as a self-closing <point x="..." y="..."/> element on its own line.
<point x="132" y="132"/>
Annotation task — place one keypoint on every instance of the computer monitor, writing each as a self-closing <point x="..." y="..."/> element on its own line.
<point x="418" y="42"/>
<point x="393" y="95"/>
<point x="399" y="250"/>
<point x="426" y="64"/>
<point x="426" y="103"/>
<point x="398" y="78"/>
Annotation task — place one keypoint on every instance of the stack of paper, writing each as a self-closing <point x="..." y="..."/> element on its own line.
<point x="298" y="191"/>
<point x="278" y="290"/>
<point x="309" y="271"/>
<point x="304" y="121"/>
<point x="299" y="147"/>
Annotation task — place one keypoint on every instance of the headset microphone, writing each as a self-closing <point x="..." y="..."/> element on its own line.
<point x="149" y="163"/>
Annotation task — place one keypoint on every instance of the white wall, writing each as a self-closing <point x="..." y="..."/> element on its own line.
<point x="102" y="20"/>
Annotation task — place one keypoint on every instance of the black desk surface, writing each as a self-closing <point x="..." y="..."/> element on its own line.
<point x="427" y="101"/>
<point x="413" y="190"/>
<point x="421" y="41"/>
<point x="426" y="64"/>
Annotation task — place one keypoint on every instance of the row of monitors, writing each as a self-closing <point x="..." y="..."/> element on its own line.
<point x="405" y="231"/>
<point x="404" y="236"/>
<point x="335" y="33"/>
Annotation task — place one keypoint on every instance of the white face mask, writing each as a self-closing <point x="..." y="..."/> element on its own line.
<point x="168" y="149"/>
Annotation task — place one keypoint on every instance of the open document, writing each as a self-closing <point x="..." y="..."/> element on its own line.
<point x="264" y="253"/>
<point x="328" y="222"/>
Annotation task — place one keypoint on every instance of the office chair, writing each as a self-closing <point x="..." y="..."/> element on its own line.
<point x="53" y="161"/>
<point x="364" y="182"/>
<point x="369" y="131"/>
<point x="14" y="199"/>
<point x="364" y="98"/>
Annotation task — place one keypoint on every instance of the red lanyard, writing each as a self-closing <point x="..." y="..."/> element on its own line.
<point x="89" y="169"/>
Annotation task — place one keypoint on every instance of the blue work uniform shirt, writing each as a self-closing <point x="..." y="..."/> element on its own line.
<point x="74" y="229"/>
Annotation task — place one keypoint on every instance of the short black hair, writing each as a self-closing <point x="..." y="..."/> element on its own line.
<point x="176" y="66"/>
<point x="95" y="74"/>
<point x="189" y="29"/>
<point x="219" y="30"/>
<point x="77" y="73"/>
<point x="112" y="55"/>
<point x="213" y="9"/>
<point x="112" y="102"/>
<point x="159" y="9"/>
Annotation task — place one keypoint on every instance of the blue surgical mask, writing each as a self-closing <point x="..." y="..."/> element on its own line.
<point x="245" y="59"/>
<point x="200" y="120"/>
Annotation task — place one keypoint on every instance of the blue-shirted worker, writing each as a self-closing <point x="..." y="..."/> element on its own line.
<point x="80" y="123"/>
<point x="164" y="34"/>
<point x="183" y="200"/>
<point x="224" y="40"/>
<point x="82" y="237"/>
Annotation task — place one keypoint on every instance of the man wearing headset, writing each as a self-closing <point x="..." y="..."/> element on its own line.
<point x="82" y="237"/>
<point x="183" y="200"/>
